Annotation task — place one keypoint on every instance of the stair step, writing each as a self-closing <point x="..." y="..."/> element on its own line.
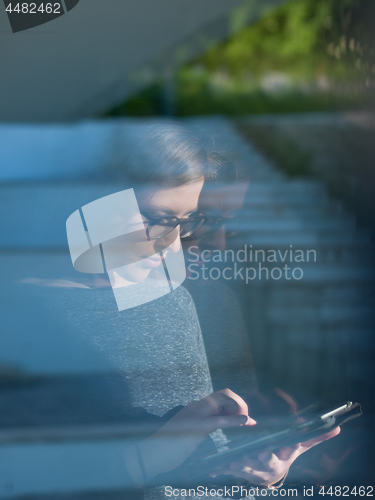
<point x="64" y="466"/>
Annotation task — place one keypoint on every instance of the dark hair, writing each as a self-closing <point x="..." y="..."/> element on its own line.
<point x="170" y="154"/>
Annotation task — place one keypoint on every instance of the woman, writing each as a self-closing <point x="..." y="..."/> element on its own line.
<point x="156" y="348"/>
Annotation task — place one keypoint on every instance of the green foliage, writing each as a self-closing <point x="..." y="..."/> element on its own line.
<point x="284" y="35"/>
<point x="194" y="100"/>
<point x="145" y="103"/>
<point x="321" y="51"/>
<point x="294" y="38"/>
<point x="318" y="55"/>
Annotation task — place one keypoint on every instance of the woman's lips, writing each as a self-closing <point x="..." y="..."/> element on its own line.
<point x="152" y="261"/>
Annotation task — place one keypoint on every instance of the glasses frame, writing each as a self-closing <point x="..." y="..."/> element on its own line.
<point x="216" y="222"/>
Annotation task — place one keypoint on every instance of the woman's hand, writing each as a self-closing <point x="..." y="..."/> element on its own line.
<point x="173" y="443"/>
<point x="271" y="467"/>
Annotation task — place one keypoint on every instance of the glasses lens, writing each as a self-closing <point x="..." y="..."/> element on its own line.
<point x="205" y="230"/>
<point x="207" y="227"/>
<point x="189" y="227"/>
<point x="162" y="228"/>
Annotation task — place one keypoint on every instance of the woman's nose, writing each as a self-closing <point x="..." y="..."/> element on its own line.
<point x="176" y="244"/>
<point x="171" y="242"/>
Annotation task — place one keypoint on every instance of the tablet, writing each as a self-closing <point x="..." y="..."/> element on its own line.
<point x="255" y="439"/>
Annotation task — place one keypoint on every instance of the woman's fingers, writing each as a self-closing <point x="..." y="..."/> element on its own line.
<point x="288" y="452"/>
<point x="233" y="404"/>
<point x="207" y="425"/>
<point x="254" y="476"/>
<point x="224" y="402"/>
<point x="269" y="460"/>
<point x="219" y="410"/>
<point x="222" y="422"/>
<point x="306" y="445"/>
<point x="265" y="470"/>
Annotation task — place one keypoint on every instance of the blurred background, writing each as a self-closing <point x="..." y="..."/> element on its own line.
<point x="286" y="90"/>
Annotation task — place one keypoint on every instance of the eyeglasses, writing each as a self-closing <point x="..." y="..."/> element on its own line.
<point x="194" y="227"/>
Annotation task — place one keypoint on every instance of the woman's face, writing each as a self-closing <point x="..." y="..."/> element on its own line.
<point x="142" y="253"/>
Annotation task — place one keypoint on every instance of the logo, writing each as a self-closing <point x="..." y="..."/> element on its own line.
<point x="25" y="15"/>
<point x="109" y="236"/>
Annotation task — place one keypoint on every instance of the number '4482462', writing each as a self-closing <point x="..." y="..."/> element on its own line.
<point x="26" y="8"/>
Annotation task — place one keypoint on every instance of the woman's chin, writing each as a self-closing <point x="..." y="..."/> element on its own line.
<point x="136" y="272"/>
<point x="130" y="276"/>
<point x="139" y="275"/>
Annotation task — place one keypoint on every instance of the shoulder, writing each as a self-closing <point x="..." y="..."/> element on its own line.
<point x="213" y="294"/>
<point x="183" y="297"/>
<point x="95" y="306"/>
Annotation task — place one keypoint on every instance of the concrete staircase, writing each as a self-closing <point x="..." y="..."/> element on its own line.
<point x="316" y="332"/>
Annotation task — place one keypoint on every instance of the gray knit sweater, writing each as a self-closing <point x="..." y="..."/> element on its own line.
<point x="156" y="348"/>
